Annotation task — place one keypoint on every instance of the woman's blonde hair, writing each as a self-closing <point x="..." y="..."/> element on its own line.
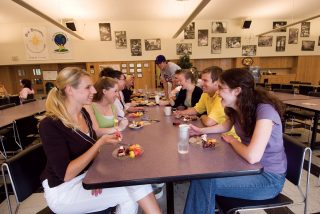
<point x="55" y="103"/>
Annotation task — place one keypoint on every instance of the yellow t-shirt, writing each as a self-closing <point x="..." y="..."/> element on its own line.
<point x="213" y="107"/>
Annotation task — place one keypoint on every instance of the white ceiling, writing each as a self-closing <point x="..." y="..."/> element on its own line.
<point x="158" y="10"/>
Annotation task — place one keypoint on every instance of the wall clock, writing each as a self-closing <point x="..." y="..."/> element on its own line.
<point x="247" y="61"/>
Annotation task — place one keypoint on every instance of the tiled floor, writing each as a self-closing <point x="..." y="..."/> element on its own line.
<point x="180" y="191"/>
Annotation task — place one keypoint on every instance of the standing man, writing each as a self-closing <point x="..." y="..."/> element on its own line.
<point x="168" y="70"/>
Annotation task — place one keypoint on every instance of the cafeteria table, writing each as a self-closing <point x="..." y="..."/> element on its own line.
<point x="161" y="162"/>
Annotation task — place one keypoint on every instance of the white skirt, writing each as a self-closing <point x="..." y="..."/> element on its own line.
<point x="70" y="197"/>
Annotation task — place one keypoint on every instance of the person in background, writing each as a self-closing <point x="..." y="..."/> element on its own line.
<point x="102" y="111"/>
<point x="128" y="90"/>
<point x="26" y="89"/>
<point x="167" y="70"/>
<point x="70" y="144"/>
<point x="3" y="91"/>
<point x="256" y="116"/>
<point x="190" y="94"/>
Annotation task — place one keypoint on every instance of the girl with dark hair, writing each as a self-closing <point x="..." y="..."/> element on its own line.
<point x="256" y="116"/>
<point x="26" y="89"/>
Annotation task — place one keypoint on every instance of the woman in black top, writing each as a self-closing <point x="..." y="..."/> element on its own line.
<point x="70" y="145"/>
<point x="189" y="94"/>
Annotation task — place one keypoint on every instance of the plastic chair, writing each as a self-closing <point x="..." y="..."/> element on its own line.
<point x="296" y="153"/>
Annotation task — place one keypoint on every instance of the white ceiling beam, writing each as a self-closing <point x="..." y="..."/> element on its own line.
<point x="46" y="17"/>
<point x="193" y="15"/>
<point x="289" y="25"/>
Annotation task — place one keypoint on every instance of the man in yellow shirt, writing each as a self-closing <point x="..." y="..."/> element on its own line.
<point x="209" y="101"/>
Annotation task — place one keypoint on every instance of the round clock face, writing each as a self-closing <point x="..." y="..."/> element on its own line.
<point x="247" y="61"/>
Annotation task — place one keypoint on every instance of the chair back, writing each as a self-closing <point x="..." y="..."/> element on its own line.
<point x="7" y="106"/>
<point x="24" y="170"/>
<point x="295" y="152"/>
<point x="305" y="89"/>
<point x="26" y="130"/>
<point x="30" y="96"/>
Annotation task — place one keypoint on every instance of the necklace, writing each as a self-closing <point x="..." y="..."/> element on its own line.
<point x="88" y="138"/>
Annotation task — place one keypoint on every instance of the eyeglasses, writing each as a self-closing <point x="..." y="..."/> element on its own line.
<point x="221" y="88"/>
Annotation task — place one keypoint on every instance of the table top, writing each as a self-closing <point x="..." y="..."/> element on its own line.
<point x="287" y="96"/>
<point x="7" y="116"/>
<point x="313" y="105"/>
<point x="161" y="161"/>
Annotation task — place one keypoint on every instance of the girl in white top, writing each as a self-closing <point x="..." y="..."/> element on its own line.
<point x="26" y="89"/>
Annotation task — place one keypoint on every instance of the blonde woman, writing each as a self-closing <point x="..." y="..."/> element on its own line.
<point x="70" y="144"/>
<point x="102" y="111"/>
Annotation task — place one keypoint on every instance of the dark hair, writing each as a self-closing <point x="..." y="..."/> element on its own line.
<point x="215" y="72"/>
<point x="104" y="71"/>
<point x="248" y="99"/>
<point x="187" y="74"/>
<point x="109" y="72"/>
<point x="26" y="83"/>
<point x="103" y="83"/>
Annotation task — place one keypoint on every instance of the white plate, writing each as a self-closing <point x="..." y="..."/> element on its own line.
<point x="132" y="126"/>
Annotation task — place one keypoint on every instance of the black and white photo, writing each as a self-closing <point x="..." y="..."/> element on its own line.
<point x="189" y="31"/>
<point x="293" y="36"/>
<point x="121" y="39"/>
<point x="105" y="31"/>
<point x="265" y="41"/>
<point x="280" y="24"/>
<point x="219" y="27"/>
<point x="135" y="45"/>
<point x="249" y="50"/>
<point x="233" y="42"/>
<point x="184" y="48"/>
<point x="152" y="44"/>
<point x="216" y="44"/>
<point x="319" y="41"/>
<point x="305" y="29"/>
<point x="203" y="37"/>
<point x="307" y="45"/>
<point x="281" y="43"/>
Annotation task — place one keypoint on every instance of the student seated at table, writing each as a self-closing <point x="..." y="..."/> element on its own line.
<point x="256" y="116"/>
<point x="70" y="145"/>
<point x="26" y="89"/>
<point x="209" y="105"/>
<point x="3" y="91"/>
<point x="189" y="94"/>
<point x="128" y="89"/>
<point x="102" y="111"/>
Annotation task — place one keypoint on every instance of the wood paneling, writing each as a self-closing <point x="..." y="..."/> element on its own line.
<point x="284" y="79"/>
<point x="201" y="64"/>
<point x="308" y="69"/>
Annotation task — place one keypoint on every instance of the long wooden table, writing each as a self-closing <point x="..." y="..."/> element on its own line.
<point x="161" y="162"/>
<point x="287" y="96"/>
<point x="7" y="116"/>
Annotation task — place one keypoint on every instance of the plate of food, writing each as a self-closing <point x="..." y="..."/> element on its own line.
<point x="136" y="114"/>
<point x="130" y="151"/>
<point x="204" y="141"/>
<point x="136" y="125"/>
<point x="188" y="118"/>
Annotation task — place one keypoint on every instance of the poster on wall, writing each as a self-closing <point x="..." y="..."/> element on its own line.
<point x="50" y="75"/>
<point x="184" y="48"/>
<point x="35" y="43"/>
<point x="293" y="36"/>
<point x="135" y="45"/>
<point x="152" y="44"/>
<point x="121" y="39"/>
<point x="319" y="41"/>
<point x="281" y="43"/>
<point x="233" y="42"/>
<point x="216" y="43"/>
<point x="249" y="50"/>
<point x="105" y="31"/>
<point x="265" y="41"/>
<point x="189" y="31"/>
<point x="219" y="27"/>
<point x="59" y="45"/>
<point x="305" y="29"/>
<point x="280" y="24"/>
<point x="203" y="37"/>
<point x="307" y="45"/>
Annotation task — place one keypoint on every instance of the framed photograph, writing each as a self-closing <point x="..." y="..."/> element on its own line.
<point x="249" y="50"/>
<point x="91" y="69"/>
<point x="131" y="70"/>
<point x="131" y="65"/>
<point x="280" y="24"/>
<point x="203" y="37"/>
<point x="265" y="41"/>
<point x="146" y="65"/>
<point x="219" y="27"/>
<point x="138" y="65"/>
<point x="189" y="31"/>
<point x="319" y="41"/>
<point x="293" y="36"/>
<point x="184" y="48"/>
<point x="124" y="70"/>
<point x="139" y="70"/>
<point x="152" y="44"/>
<point x="139" y="75"/>
<point x="216" y="44"/>
<point x="307" y="45"/>
<point x="123" y="65"/>
<point x="121" y="39"/>
<point x="281" y="43"/>
<point x="305" y="29"/>
<point x="105" y="31"/>
<point x="233" y="42"/>
<point x="135" y="45"/>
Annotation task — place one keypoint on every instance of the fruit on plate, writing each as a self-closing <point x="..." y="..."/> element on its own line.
<point x="135" y="150"/>
<point x="136" y="114"/>
<point x="208" y="142"/>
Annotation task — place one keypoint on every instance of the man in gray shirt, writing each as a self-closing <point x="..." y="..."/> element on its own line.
<point x="168" y="70"/>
